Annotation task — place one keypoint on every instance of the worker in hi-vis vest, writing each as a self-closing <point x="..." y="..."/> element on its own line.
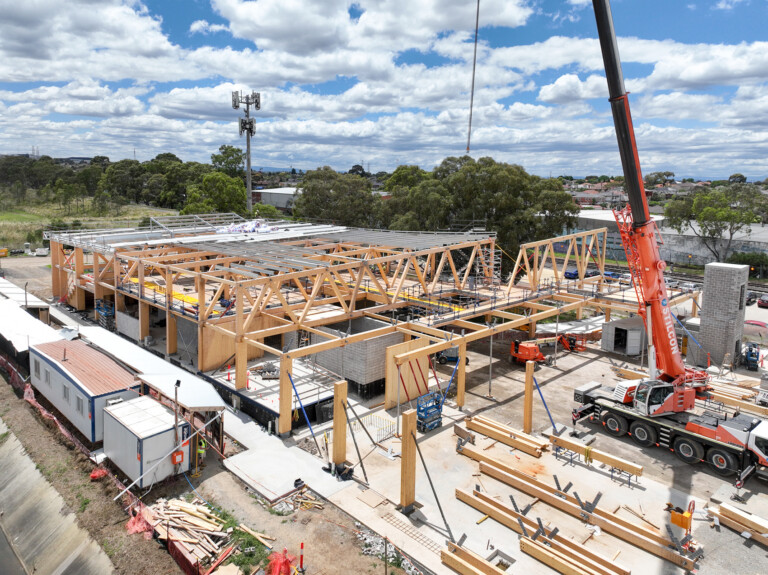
<point x="201" y="445"/>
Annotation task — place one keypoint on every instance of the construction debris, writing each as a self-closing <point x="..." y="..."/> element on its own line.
<point x="192" y="525"/>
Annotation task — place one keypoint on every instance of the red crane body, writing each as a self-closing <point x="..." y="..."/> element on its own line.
<point x="639" y="235"/>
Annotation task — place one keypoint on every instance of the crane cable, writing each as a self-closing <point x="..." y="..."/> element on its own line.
<point x="474" y="68"/>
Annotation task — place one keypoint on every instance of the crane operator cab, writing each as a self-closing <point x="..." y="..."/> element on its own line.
<point x="651" y="396"/>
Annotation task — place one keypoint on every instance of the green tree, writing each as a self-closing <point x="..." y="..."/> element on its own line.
<point x="405" y="177"/>
<point x="426" y="206"/>
<point x="123" y="182"/>
<point x="737" y="179"/>
<point x="716" y="215"/>
<point x="345" y="199"/>
<point x="520" y="207"/>
<point x="229" y="160"/>
<point x="178" y="178"/>
<point x="655" y="178"/>
<point x="89" y="177"/>
<point x="101" y="161"/>
<point x="266" y="211"/>
<point x="216" y="193"/>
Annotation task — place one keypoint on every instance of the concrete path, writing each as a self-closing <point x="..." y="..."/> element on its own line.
<point x="270" y="465"/>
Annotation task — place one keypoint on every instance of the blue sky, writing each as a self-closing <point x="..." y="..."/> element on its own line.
<point x="387" y="82"/>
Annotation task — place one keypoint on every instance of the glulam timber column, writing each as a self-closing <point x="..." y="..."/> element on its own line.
<point x="532" y="330"/>
<point x="461" y="375"/>
<point x="79" y="271"/>
<point x="408" y="462"/>
<point x="171" y="343"/>
<point x="241" y="346"/>
<point x="55" y="272"/>
<point x="339" y="423"/>
<point x="286" y="396"/>
<point x="98" y="290"/>
<point x="607" y="311"/>
<point x="201" y="317"/>
<point x="530" y="366"/>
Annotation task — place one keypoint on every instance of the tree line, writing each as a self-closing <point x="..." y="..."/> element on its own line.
<point x="458" y="194"/>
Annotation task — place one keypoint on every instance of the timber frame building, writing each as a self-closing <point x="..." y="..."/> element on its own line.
<point x="274" y="291"/>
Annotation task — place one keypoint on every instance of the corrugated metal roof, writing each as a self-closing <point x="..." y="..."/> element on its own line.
<point x="21" y="329"/>
<point x="143" y="416"/>
<point x="96" y="372"/>
<point x="195" y="393"/>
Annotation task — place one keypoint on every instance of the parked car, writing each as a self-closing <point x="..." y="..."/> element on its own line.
<point x="625" y="279"/>
<point x="751" y="297"/>
<point x="611" y="277"/>
<point x="756" y="323"/>
<point x="590" y="273"/>
<point x="689" y="287"/>
<point x="672" y="284"/>
<point x="763" y="301"/>
<point x="571" y="274"/>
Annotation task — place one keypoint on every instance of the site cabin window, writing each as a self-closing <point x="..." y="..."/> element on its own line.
<point x="65" y="391"/>
<point x="80" y="405"/>
<point x="47" y="377"/>
<point x="37" y="368"/>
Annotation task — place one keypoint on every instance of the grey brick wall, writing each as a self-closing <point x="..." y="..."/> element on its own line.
<point x="722" y="310"/>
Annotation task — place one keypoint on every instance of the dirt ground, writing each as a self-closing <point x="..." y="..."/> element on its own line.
<point x="32" y="269"/>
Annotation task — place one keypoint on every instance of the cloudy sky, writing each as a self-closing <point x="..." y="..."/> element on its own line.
<point x="387" y="82"/>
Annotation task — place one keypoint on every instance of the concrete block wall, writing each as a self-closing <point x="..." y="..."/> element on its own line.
<point x="362" y="362"/>
<point x="722" y="311"/>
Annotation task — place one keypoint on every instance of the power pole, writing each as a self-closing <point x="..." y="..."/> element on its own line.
<point x="247" y="125"/>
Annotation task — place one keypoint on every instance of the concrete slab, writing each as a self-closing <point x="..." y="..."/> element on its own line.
<point x="270" y="465"/>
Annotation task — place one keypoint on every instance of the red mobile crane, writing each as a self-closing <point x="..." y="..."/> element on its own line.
<point x="661" y="410"/>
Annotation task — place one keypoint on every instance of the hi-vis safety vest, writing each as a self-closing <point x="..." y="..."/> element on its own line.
<point x="201" y="447"/>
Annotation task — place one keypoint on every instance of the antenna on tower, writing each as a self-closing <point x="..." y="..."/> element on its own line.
<point x="247" y="125"/>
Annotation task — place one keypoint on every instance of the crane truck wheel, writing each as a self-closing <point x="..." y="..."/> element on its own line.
<point x="643" y="434"/>
<point x="688" y="450"/>
<point x="614" y="424"/>
<point x="721" y="462"/>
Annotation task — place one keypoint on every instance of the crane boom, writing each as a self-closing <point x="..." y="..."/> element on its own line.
<point x="637" y="228"/>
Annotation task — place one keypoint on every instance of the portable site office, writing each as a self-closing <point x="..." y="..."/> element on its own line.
<point x="138" y="434"/>
<point x="79" y="381"/>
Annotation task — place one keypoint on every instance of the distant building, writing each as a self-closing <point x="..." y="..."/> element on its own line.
<point x="281" y="198"/>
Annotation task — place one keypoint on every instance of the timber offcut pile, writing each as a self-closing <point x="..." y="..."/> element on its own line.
<point x="193" y="526"/>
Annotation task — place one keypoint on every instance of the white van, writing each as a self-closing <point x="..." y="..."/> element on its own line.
<point x="625" y="279"/>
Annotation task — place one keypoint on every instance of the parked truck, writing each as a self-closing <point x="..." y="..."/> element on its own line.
<point x="671" y="409"/>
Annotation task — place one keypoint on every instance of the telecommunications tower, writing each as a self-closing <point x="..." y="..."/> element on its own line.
<point x="247" y="125"/>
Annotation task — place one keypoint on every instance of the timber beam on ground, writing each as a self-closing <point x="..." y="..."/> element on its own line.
<point x="506" y="435"/>
<point x="467" y="562"/>
<point x="638" y="535"/>
<point x="593" y="454"/>
<point x="511" y="519"/>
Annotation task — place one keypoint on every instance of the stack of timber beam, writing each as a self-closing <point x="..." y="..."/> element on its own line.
<point x="466" y="562"/>
<point x="506" y="435"/>
<point x="638" y="535"/>
<point x="595" y="455"/>
<point x="192" y="525"/>
<point x="742" y="521"/>
<point x="581" y="559"/>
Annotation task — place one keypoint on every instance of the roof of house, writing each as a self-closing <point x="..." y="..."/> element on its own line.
<point x="97" y="373"/>
<point x="18" y="294"/>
